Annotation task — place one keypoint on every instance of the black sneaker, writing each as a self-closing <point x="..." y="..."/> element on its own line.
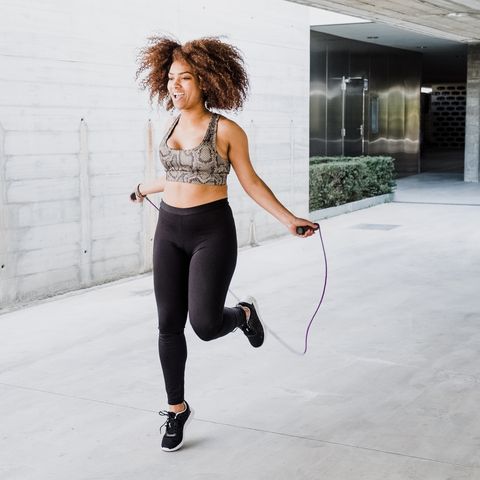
<point x="174" y="425"/>
<point x="253" y="328"/>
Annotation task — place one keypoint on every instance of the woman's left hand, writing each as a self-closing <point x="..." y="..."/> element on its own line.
<point x="302" y="222"/>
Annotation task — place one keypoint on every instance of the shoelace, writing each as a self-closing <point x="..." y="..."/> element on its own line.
<point x="171" y="423"/>
<point x="247" y="328"/>
<point x="249" y="332"/>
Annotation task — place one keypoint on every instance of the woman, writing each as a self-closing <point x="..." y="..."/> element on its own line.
<point x="195" y="245"/>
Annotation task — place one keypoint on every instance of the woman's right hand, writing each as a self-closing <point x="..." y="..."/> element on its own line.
<point x="135" y="196"/>
<point x="302" y="222"/>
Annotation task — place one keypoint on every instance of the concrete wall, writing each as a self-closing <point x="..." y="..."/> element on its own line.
<point x="472" y="120"/>
<point x="76" y="133"/>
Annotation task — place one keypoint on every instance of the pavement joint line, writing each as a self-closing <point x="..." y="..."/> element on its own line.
<point x="75" y="397"/>
<point x="439" y="203"/>
<point x="241" y="427"/>
<point x="348" y="445"/>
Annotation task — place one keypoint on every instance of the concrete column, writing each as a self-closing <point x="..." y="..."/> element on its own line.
<point x="472" y="120"/>
<point x="150" y="215"/>
<point x="86" y="230"/>
<point x="7" y="283"/>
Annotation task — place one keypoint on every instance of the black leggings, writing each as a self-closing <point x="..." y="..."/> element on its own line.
<point x="194" y="257"/>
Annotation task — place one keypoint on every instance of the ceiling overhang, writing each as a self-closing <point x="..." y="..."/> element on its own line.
<point x="388" y="36"/>
<point x="457" y="20"/>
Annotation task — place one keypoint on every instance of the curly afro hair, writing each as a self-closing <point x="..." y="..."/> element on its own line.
<point x="218" y="65"/>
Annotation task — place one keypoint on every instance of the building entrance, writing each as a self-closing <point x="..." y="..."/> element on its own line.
<point x="354" y="90"/>
<point x="443" y="110"/>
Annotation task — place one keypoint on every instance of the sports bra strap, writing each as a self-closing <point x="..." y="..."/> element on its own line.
<point x="170" y="129"/>
<point x="211" y="135"/>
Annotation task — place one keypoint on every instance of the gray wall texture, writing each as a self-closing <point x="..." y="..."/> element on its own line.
<point x="472" y="121"/>
<point x="76" y="133"/>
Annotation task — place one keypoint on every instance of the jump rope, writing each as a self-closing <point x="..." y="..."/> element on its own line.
<point x="300" y="231"/>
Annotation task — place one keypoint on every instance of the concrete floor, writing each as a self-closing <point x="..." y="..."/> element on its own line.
<point x="389" y="389"/>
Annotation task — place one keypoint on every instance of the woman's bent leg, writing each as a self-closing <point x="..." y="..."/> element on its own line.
<point x="211" y="269"/>
<point x="210" y="275"/>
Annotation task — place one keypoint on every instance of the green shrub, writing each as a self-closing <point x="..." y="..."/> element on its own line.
<point x="338" y="180"/>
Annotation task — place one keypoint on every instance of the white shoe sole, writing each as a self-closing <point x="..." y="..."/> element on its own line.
<point x="187" y="423"/>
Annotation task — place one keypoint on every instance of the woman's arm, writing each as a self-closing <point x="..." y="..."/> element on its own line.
<point x="154" y="186"/>
<point x="255" y="187"/>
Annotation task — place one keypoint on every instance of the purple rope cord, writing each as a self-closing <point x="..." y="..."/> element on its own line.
<point x="151" y="203"/>
<point x="307" y="331"/>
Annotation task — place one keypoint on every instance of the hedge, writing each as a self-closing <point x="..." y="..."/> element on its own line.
<point x="338" y="180"/>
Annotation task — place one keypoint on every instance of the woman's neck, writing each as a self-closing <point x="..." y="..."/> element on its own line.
<point x="194" y="115"/>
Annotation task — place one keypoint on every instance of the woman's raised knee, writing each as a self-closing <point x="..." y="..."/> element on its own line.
<point x="205" y="332"/>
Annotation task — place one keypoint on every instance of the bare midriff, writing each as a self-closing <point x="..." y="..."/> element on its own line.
<point x="185" y="195"/>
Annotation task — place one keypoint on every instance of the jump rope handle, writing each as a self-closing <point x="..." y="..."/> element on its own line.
<point x="133" y="197"/>
<point x="305" y="229"/>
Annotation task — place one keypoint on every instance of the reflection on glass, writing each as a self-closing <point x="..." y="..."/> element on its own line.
<point x="374" y="114"/>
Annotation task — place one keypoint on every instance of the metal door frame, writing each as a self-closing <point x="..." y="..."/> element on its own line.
<point x="345" y="81"/>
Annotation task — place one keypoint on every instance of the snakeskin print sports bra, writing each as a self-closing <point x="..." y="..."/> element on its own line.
<point x="202" y="164"/>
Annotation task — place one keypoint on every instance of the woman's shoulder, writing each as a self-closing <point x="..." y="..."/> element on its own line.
<point x="228" y="128"/>
<point x="169" y="122"/>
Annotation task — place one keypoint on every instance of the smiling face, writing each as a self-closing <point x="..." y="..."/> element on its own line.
<point x="183" y="86"/>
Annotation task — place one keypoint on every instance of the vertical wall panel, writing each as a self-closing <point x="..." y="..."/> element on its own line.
<point x="6" y="283"/>
<point x="150" y="214"/>
<point x="472" y="120"/>
<point x="85" y="220"/>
